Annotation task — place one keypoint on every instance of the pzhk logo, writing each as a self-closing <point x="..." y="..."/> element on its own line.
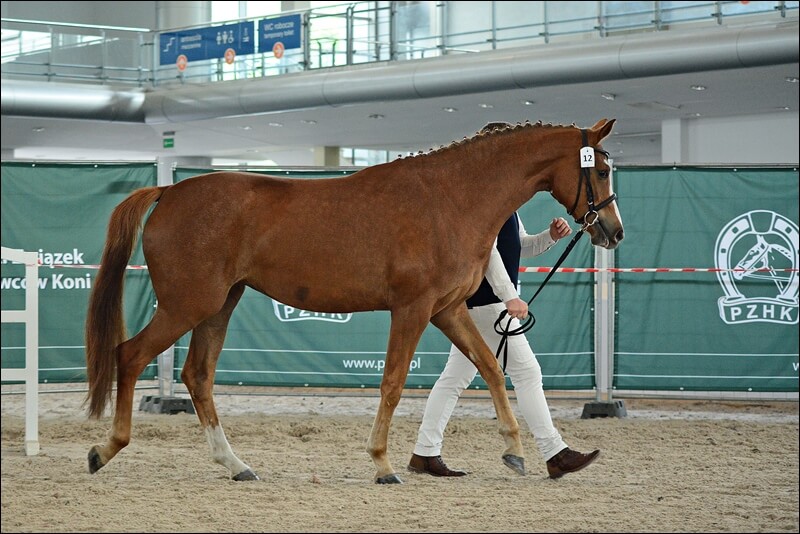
<point x="757" y="254"/>
<point x="286" y="313"/>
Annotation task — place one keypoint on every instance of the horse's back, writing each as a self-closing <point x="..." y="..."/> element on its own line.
<point x="299" y="241"/>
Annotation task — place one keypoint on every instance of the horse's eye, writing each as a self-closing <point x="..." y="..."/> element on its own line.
<point x="603" y="174"/>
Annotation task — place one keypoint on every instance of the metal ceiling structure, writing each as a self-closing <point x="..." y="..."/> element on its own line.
<point x="407" y="106"/>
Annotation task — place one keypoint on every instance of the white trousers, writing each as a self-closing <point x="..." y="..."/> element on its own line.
<point x="526" y="377"/>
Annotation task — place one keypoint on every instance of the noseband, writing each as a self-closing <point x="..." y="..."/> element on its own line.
<point x="587" y="162"/>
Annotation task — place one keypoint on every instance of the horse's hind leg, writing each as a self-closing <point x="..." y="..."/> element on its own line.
<point x="198" y="376"/>
<point x="132" y="357"/>
<point x="458" y="326"/>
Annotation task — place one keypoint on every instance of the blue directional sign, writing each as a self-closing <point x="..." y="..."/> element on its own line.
<point x="207" y="43"/>
<point x="286" y="30"/>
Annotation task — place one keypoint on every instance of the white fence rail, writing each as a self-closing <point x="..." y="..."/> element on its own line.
<point x="30" y="373"/>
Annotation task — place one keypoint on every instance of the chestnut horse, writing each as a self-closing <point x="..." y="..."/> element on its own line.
<point x="412" y="236"/>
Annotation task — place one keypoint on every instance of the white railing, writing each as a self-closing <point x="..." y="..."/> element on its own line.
<point x="30" y="373"/>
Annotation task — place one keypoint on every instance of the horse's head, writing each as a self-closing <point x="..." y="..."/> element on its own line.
<point x="583" y="186"/>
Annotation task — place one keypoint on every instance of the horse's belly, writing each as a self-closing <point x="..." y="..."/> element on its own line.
<point x="321" y="290"/>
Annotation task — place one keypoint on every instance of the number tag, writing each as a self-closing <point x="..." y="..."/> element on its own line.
<point x="587" y="157"/>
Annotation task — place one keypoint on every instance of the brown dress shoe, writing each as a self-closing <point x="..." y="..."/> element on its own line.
<point x="433" y="465"/>
<point x="569" y="461"/>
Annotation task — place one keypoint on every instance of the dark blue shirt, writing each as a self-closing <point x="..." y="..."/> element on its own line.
<point x="510" y="248"/>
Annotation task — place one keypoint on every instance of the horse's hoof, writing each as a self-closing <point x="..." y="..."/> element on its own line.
<point x="517" y="463"/>
<point x="95" y="463"/>
<point x="246" y="475"/>
<point x="389" y="479"/>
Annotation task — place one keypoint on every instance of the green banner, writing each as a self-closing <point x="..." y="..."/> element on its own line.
<point x="271" y="344"/>
<point x="733" y="324"/>
<point x="723" y="319"/>
<point x="61" y="212"/>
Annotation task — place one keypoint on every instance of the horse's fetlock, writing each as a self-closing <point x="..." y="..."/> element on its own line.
<point x="120" y="442"/>
<point x="375" y="452"/>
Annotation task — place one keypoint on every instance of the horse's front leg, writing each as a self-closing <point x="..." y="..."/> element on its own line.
<point x="198" y="376"/>
<point x="459" y="327"/>
<point x="404" y="334"/>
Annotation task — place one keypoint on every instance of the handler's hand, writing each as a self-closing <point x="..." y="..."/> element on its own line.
<point x="517" y="308"/>
<point x="559" y="228"/>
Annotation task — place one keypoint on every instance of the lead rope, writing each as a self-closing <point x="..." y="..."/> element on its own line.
<point x="504" y="331"/>
<point x="587" y="161"/>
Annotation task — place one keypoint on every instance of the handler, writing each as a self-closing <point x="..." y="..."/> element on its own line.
<point x="498" y="292"/>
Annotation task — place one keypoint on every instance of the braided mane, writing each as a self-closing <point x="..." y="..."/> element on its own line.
<point x="493" y="129"/>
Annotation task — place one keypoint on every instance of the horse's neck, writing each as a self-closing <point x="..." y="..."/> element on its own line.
<point x="489" y="180"/>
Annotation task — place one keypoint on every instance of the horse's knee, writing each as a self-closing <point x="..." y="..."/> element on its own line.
<point x="495" y="380"/>
<point x="390" y="397"/>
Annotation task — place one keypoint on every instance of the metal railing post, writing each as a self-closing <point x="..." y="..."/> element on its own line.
<point x="103" y="56"/>
<point x="349" y="31"/>
<point x="307" y="40"/>
<point x="392" y="31"/>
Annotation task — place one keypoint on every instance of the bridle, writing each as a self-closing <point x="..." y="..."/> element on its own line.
<point x="587" y="163"/>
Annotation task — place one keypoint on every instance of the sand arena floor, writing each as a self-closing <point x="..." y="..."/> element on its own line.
<point x="668" y="466"/>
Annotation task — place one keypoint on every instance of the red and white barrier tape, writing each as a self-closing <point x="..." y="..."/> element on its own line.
<point x="651" y="270"/>
<point x="560" y="270"/>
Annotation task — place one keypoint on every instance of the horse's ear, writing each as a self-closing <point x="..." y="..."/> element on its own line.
<point x="603" y="128"/>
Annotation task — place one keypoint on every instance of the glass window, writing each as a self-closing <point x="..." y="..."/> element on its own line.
<point x="17" y="43"/>
<point x="626" y="15"/>
<point x="222" y="11"/>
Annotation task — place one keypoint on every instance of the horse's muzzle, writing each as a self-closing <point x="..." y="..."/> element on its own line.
<point x="605" y="237"/>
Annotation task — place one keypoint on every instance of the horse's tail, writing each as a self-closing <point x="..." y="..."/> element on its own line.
<point x="105" y="323"/>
